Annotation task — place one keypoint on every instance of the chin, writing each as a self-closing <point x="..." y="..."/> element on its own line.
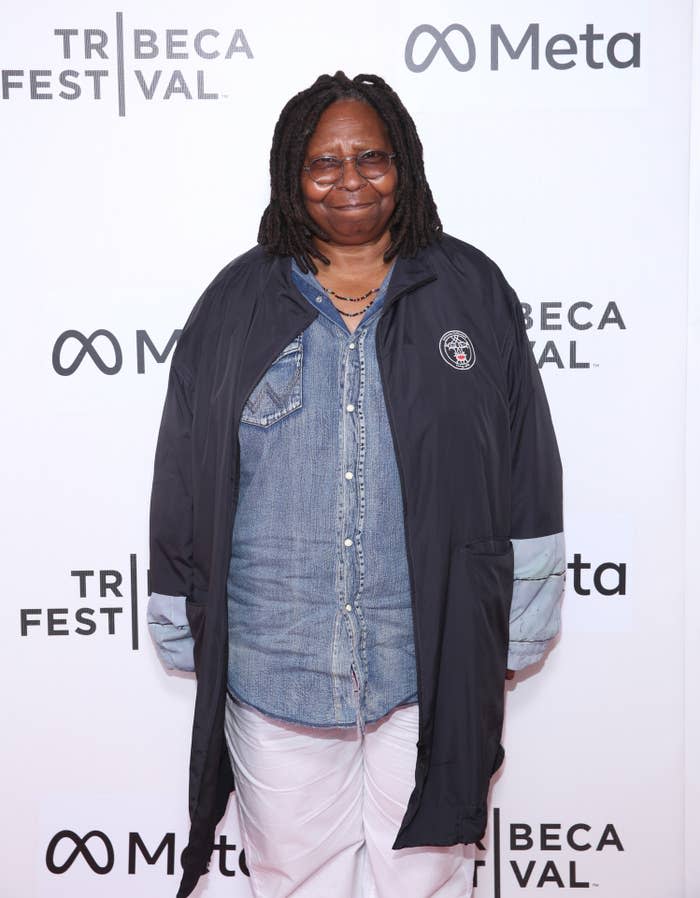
<point x="355" y="233"/>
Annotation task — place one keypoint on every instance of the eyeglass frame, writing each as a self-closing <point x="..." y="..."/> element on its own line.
<point x="343" y="160"/>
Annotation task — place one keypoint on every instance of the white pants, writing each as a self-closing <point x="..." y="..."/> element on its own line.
<point x="319" y="809"/>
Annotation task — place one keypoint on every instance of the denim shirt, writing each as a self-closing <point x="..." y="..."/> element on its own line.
<point x="320" y="617"/>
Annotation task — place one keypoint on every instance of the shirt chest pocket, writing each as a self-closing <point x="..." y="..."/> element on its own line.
<point x="278" y="393"/>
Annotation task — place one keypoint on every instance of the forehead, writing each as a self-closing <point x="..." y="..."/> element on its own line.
<point x="348" y="122"/>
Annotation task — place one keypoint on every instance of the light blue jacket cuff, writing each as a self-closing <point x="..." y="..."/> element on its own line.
<point x="523" y="654"/>
<point x="170" y="631"/>
<point x="539" y="575"/>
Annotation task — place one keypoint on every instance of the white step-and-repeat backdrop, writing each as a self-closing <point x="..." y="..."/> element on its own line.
<point x="134" y="152"/>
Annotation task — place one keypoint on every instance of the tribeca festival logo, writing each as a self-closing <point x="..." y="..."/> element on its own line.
<point x="552" y="855"/>
<point x="122" y="64"/>
<point x="106" y="602"/>
<point x="97" y="851"/>
<point x="576" y="318"/>
<point x="103" y="349"/>
<point x="561" y="51"/>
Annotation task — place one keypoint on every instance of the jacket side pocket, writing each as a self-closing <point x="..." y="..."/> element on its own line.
<point x="489" y="564"/>
<point x="196" y="610"/>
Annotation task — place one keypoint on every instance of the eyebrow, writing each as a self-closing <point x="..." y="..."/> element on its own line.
<point x="356" y="145"/>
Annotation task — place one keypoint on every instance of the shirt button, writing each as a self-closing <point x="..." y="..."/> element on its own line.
<point x="350" y="407"/>
<point x="348" y="475"/>
<point x="347" y="541"/>
<point x="351" y="345"/>
<point x="348" y="607"/>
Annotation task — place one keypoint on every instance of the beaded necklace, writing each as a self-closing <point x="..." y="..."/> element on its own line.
<point x="330" y="293"/>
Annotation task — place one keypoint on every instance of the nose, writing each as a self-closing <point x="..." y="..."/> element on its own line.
<point x="350" y="178"/>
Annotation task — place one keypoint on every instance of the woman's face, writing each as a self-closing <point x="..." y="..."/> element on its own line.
<point x="353" y="210"/>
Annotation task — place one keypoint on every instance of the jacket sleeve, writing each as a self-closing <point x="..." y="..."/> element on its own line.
<point x="170" y="536"/>
<point x="536" y="503"/>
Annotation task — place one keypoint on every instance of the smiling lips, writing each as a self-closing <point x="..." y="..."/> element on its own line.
<point x="348" y="206"/>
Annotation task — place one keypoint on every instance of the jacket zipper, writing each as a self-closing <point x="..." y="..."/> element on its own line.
<point x="402" y="479"/>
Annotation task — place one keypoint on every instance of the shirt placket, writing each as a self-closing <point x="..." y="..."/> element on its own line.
<point x="352" y="450"/>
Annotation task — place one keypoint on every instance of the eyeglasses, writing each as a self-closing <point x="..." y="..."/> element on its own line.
<point x="370" y="164"/>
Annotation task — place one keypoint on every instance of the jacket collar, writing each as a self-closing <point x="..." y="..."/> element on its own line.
<point x="409" y="274"/>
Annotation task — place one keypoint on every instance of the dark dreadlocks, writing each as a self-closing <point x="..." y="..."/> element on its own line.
<point x="286" y="228"/>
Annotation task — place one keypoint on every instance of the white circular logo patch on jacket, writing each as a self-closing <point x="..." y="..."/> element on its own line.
<point x="457" y="350"/>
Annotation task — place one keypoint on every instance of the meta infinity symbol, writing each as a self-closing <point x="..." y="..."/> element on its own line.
<point x="80" y="848"/>
<point x="440" y="44"/>
<point x="86" y="349"/>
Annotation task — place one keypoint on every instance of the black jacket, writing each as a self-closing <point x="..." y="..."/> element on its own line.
<point x="479" y="469"/>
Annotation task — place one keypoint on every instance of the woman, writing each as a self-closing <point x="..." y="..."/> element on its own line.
<point x="356" y="526"/>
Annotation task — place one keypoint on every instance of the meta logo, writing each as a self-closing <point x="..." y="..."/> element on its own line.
<point x="576" y="317"/>
<point x="541" y="855"/>
<point x="101" y="347"/>
<point x="106" y="603"/>
<point x="96" y="851"/>
<point x="152" y="65"/>
<point x="559" y="51"/>
<point x="95" y="862"/>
